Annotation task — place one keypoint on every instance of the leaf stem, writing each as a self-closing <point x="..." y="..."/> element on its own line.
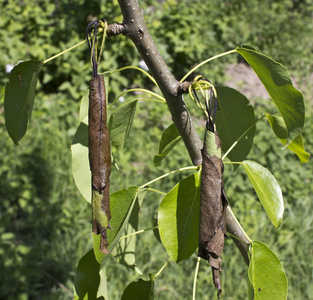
<point x="232" y="162"/>
<point x="144" y="100"/>
<point x="65" y="51"/>
<point x="206" y="61"/>
<point x="151" y="100"/>
<point x="169" y="173"/>
<point x="163" y="267"/>
<point x="236" y="142"/>
<point x="237" y="238"/>
<point x="232" y="214"/>
<point x="138" y="232"/>
<point x="138" y="90"/>
<point x="195" y="279"/>
<point x="136" y="68"/>
<point x="156" y="191"/>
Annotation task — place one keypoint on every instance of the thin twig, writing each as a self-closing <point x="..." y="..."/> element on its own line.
<point x="61" y="285"/>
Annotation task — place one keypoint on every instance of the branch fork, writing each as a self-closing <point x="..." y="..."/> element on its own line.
<point x="135" y="28"/>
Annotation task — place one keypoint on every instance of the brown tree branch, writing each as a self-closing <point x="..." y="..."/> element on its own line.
<point x="136" y="29"/>
<point x="115" y="29"/>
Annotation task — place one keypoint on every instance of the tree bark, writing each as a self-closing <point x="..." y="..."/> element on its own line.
<point x="136" y="29"/>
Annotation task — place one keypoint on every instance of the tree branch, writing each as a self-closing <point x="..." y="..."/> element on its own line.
<point x="136" y="29"/>
<point x="235" y="229"/>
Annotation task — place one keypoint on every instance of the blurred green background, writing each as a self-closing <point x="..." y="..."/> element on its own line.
<point x="45" y="223"/>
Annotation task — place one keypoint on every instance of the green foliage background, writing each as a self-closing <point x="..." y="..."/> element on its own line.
<point x="44" y="222"/>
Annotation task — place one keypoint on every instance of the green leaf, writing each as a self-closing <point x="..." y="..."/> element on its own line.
<point x="178" y="218"/>
<point x="266" y="274"/>
<point x="139" y="290"/>
<point x="125" y="250"/>
<point x="122" y="203"/>
<point x="19" y="98"/>
<point x="80" y="160"/>
<point x="277" y="81"/>
<point x="267" y="189"/>
<point x="211" y="144"/>
<point x="296" y="146"/>
<point x="120" y="123"/>
<point x="234" y="118"/>
<point x="87" y="278"/>
<point x="169" y="139"/>
<point x="84" y="106"/>
<point x="103" y="286"/>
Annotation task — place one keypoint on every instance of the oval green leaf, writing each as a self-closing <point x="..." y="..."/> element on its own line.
<point x="120" y="123"/>
<point x="235" y="122"/>
<point x="266" y="274"/>
<point x="296" y="146"/>
<point x="126" y="248"/>
<point x="19" y="98"/>
<point x="277" y="82"/>
<point x="84" y="106"/>
<point x="124" y="251"/>
<point x="139" y="290"/>
<point x="80" y="160"/>
<point x="267" y="189"/>
<point x="170" y="137"/>
<point x="122" y="203"/>
<point x="103" y="286"/>
<point x="87" y="278"/>
<point x="178" y="218"/>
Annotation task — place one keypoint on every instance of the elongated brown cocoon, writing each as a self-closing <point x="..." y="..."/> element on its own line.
<point x="100" y="159"/>
<point x="213" y="203"/>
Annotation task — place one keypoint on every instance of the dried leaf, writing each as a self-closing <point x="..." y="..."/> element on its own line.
<point x="100" y="159"/>
<point x="213" y="203"/>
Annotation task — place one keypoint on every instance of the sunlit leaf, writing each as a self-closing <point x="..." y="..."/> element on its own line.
<point x="139" y="290"/>
<point x="169" y="139"/>
<point x="80" y="160"/>
<point x="120" y="123"/>
<point x="234" y="118"/>
<point x="277" y="82"/>
<point x="124" y="251"/>
<point x="84" y="105"/>
<point x="103" y="286"/>
<point x="296" y="146"/>
<point x="266" y="274"/>
<point x="178" y="218"/>
<point x="267" y="189"/>
<point x="19" y="98"/>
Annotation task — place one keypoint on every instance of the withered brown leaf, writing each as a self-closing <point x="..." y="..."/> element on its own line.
<point x="100" y="159"/>
<point x="213" y="203"/>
